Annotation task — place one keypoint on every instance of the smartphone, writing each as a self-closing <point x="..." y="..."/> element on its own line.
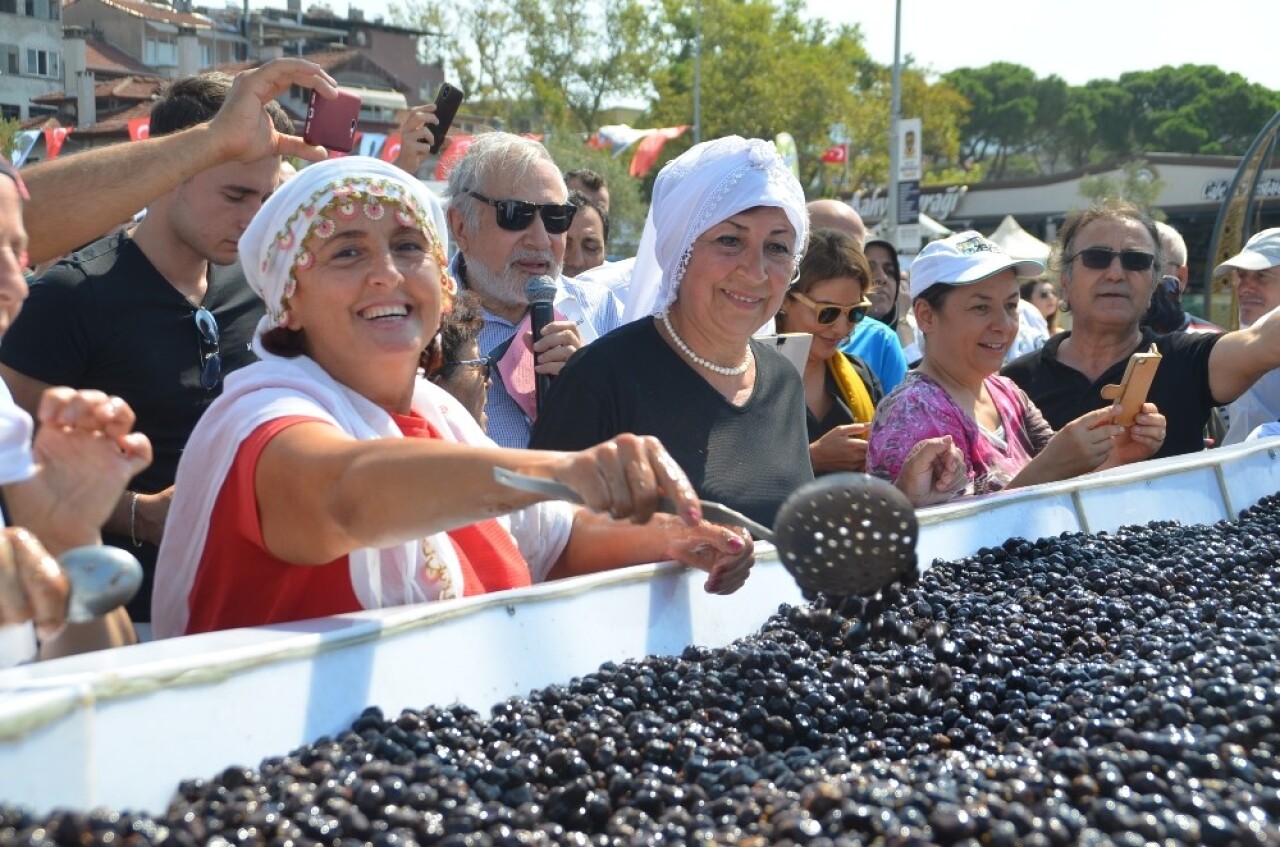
<point x="1133" y="388"/>
<point x="448" y="99"/>
<point x="332" y="123"/>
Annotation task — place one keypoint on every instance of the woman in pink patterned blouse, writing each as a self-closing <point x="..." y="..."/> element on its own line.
<point x="965" y="298"/>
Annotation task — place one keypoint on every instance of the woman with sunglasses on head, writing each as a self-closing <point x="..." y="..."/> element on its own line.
<point x="965" y="297"/>
<point x="329" y="477"/>
<point x="1111" y="263"/>
<point x="840" y="391"/>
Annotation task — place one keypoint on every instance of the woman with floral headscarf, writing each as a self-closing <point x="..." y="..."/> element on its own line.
<point x="330" y="477"/>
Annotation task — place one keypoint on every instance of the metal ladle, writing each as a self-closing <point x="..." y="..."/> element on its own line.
<point x="102" y="578"/>
<point x="841" y="535"/>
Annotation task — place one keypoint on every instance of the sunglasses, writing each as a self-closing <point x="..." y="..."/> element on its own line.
<point x="483" y="363"/>
<point x="1100" y="258"/>
<point x="517" y="215"/>
<point x="828" y="314"/>
<point x="210" y="360"/>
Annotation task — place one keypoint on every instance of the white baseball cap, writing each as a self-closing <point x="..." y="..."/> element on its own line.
<point x="1259" y="253"/>
<point x="964" y="258"/>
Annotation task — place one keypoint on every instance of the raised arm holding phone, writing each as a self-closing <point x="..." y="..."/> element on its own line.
<point x="124" y="178"/>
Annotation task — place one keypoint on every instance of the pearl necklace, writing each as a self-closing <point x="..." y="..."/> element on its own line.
<point x="737" y="370"/>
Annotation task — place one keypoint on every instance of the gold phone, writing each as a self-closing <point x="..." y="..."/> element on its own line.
<point x="1133" y="388"/>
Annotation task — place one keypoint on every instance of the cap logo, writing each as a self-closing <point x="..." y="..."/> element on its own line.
<point x="977" y="244"/>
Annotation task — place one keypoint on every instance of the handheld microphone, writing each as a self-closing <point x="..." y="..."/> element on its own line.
<point x="541" y="291"/>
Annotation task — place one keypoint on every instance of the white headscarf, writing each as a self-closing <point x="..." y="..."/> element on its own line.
<point x="707" y="184"/>
<point x="271" y="249"/>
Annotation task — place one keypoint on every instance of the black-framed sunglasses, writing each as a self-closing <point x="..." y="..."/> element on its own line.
<point x="827" y="314"/>
<point x="1100" y="258"/>
<point x="210" y="357"/>
<point x="517" y="215"/>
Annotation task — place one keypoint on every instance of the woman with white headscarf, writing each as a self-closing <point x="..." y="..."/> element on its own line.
<point x="720" y="248"/>
<point x="330" y="477"/>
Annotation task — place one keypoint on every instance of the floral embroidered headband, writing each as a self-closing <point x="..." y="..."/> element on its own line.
<point x="313" y="203"/>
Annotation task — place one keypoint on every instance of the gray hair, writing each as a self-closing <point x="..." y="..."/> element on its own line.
<point x="490" y="153"/>
<point x="1172" y="244"/>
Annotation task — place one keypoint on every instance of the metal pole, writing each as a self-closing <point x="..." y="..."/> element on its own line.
<point x="895" y="113"/>
<point x="697" y="72"/>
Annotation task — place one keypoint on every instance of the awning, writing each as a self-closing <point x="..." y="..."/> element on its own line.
<point x="378" y="98"/>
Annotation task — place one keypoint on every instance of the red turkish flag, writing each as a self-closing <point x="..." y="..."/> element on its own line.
<point x="454" y="149"/>
<point x="390" y="148"/>
<point x="650" y="147"/>
<point x="836" y="155"/>
<point x="53" y="139"/>
<point x="139" y="128"/>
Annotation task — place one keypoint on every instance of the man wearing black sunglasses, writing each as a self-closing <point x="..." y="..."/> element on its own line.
<point x="1111" y="266"/>
<point x="157" y="315"/>
<point x="508" y="214"/>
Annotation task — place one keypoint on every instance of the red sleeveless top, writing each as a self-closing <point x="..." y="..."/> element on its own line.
<point x="239" y="583"/>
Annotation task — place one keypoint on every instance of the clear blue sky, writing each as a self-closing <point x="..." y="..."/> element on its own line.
<point x="1078" y="40"/>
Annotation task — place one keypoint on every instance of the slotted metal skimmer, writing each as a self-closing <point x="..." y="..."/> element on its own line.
<point x="847" y="534"/>
<point x="840" y="535"/>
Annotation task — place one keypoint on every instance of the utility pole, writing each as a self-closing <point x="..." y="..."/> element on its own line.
<point x="895" y="114"/>
<point x="697" y="72"/>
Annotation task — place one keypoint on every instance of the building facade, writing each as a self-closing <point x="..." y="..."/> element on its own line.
<point x="30" y="55"/>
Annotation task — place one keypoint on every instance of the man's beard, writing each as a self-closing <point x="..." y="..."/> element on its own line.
<point x="506" y="290"/>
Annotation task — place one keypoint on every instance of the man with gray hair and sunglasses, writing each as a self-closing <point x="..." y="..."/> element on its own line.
<point x="509" y="212"/>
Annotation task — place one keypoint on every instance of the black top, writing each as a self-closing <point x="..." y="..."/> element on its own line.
<point x="105" y="318"/>
<point x="1180" y="389"/>
<point x="747" y="457"/>
<point x="840" y="413"/>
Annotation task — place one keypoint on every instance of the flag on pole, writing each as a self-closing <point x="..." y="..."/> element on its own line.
<point x="139" y="128"/>
<point x="650" y="146"/>
<point x="53" y="139"/>
<point x="836" y="155"/>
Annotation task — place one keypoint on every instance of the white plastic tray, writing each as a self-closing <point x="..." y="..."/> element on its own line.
<point x="120" y="728"/>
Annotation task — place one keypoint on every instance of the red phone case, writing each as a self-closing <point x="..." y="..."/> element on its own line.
<point x="332" y="123"/>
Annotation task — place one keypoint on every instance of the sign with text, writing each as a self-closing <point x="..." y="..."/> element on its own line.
<point x="910" y="170"/>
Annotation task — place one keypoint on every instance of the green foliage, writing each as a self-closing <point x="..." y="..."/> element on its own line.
<point x="1198" y="109"/>
<point x="626" y="206"/>
<point x="8" y="132"/>
<point x="1136" y="183"/>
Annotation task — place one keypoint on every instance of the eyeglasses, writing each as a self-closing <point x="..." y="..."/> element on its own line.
<point x="210" y="360"/>
<point x="517" y="215"/>
<point x="1100" y="258"/>
<point x="828" y="314"/>
<point x="483" y="363"/>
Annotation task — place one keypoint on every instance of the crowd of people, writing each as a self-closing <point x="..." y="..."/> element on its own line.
<point x="287" y="393"/>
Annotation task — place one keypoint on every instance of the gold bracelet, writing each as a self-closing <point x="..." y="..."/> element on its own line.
<point x="133" y="520"/>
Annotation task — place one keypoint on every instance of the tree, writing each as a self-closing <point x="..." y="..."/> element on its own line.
<point x="1136" y="183"/>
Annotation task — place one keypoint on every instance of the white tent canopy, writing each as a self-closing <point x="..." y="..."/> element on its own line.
<point x="1019" y="243"/>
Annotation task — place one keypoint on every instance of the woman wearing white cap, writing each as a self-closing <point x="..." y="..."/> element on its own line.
<point x="965" y="297"/>
<point x="1110" y="266"/>
<point x="330" y="477"/>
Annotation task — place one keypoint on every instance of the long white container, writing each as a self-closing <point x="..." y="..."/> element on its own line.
<point x="120" y="728"/>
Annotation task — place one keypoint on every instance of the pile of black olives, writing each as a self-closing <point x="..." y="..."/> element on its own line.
<point x="1087" y="689"/>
